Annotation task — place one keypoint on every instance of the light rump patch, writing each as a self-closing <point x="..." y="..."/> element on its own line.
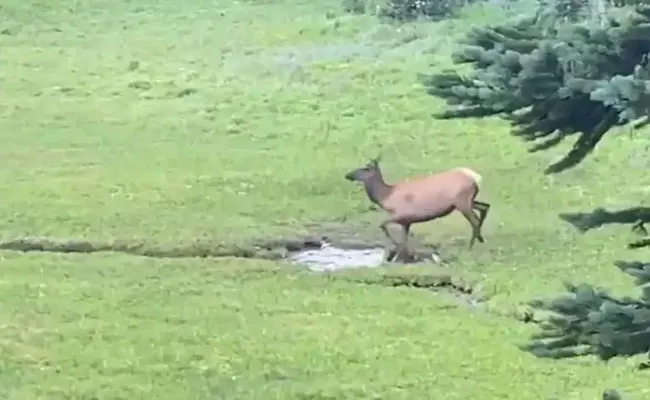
<point x="472" y="174"/>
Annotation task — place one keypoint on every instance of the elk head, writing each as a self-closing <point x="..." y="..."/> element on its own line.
<point x="366" y="173"/>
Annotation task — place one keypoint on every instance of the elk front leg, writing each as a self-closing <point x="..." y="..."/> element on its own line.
<point x="402" y="250"/>
<point x="401" y="247"/>
<point x="384" y="228"/>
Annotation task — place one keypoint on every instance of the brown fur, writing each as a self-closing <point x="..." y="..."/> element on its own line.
<point x="423" y="199"/>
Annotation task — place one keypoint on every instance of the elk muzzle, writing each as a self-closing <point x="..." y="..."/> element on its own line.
<point x="351" y="176"/>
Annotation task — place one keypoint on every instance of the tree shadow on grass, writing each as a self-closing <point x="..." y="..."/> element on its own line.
<point x="584" y="222"/>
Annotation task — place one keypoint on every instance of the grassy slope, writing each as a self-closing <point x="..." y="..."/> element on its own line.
<point x="238" y="122"/>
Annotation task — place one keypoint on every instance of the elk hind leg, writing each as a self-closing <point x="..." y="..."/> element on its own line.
<point x="475" y="222"/>
<point x="483" y="209"/>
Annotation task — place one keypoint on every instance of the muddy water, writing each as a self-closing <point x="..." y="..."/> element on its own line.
<point x="332" y="258"/>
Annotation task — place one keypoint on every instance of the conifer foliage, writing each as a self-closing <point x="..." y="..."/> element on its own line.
<point x="553" y="77"/>
<point x="552" y="80"/>
<point x="407" y="10"/>
<point x="590" y="321"/>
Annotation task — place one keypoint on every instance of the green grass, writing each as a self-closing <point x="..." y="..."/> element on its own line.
<point x="170" y="124"/>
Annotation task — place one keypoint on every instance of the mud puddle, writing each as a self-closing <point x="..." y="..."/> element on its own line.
<point x="332" y="258"/>
<point x="315" y="253"/>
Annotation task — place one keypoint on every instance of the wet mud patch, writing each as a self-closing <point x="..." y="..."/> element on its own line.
<point x="329" y="257"/>
<point x="306" y="250"/>
<point x="345" y="258"/>
<point x="316" y="253"/>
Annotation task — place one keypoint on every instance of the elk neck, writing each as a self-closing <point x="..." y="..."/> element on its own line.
<point x="377" y="189"/>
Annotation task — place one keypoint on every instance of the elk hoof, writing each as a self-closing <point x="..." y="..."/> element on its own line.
<point x="407" y="257"/>
<point x="394" y="255"/>
<point x="391" y="255"/>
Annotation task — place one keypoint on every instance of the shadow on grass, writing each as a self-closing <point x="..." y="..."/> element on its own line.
<point x="600" y="217"/>
<point x="590" y="321"/>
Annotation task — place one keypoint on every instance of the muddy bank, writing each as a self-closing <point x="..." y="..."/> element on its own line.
<point x="460" y="292"/>
<point x="316" y="253"/>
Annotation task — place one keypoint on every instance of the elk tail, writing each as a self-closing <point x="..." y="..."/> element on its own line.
<point x="472" y="174"/>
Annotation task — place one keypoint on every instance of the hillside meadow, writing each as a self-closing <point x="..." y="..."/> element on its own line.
<point x="207" y="125"/>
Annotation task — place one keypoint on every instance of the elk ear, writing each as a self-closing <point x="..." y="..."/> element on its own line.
<point x="375" y="161"/>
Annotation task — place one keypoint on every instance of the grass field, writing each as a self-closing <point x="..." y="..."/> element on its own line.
<point x="199" y="127"/>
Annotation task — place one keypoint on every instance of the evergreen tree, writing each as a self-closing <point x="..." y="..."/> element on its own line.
<point x="552" y="78"/>
<point x="591" y="321"/>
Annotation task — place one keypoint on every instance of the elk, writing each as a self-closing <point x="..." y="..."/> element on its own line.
<point x="423" y="199"/>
